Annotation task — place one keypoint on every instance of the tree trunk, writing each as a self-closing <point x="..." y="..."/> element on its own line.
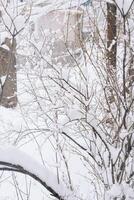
<point x="111" y="37"/>
<point x="8" y="79"/>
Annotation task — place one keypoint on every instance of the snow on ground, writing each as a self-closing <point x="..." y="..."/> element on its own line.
<point x="25" y="127"/>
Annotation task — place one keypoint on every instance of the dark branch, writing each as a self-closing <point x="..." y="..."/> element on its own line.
<point x="20" y="169"/>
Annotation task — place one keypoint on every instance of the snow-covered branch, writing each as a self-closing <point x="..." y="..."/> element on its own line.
<point x="12" y="159"/>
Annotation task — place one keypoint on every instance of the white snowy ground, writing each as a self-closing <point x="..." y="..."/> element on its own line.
<point x="15" y="130"/>
<point x="24" y="128"/>
<point x="20" y="127"/>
